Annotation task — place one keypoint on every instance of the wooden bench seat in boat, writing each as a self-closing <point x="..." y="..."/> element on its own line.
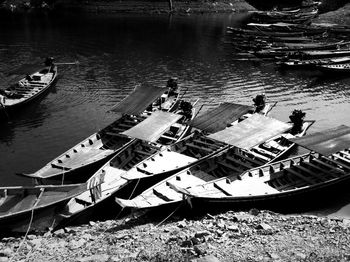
<point x="312" y="175"/>
<point x="324" y="164"/>
<point x="191" y="145"/>
<point x="240" y="162"/>
<point x="230" y="166"/>
<point x="255" y="160"/>
<point x="163" y="161"/>
<point x="299" y="175"/>
<point x="168" y="195"/>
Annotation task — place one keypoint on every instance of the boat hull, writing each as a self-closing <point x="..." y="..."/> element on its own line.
<point x="301" y="200"/>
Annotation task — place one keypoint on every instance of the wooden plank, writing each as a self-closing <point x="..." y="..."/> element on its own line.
<point x="319" y="169"/>
<point x="226" y="192"/>
<point x="240" y="162"/>
<point x="318" y="161"/>
<point x="342" y="163"/>
<point x="303" y="169"/>
<point x="231" y="167"/>
<point x="257" y="160"/>
<point x="301" y="176"/>
<point x="259" y="155"/>
<point x="199" y="147"/>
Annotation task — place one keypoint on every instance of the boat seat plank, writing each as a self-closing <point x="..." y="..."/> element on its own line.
<point x="299" y="175"/>
<point x="204" y="176"/>
<point x="318" y="177"/>
<point x="231" y="167"/>
<point x="347" y="154"/>
<point x="318" y="168"/>
<point x="259" y="156"/>
<point x="167" y="193"/>
<point x="200" y="147"/>
<point x="322" y="163"/>
<point x="198" y="141"/>
<point x="342" y="160"/>
<point x="264" y="152"/>
<point x="169" y="137"/>
<point x="240" y="162"/>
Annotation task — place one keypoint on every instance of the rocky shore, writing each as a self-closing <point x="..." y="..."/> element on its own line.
<point x="232" y="236"/>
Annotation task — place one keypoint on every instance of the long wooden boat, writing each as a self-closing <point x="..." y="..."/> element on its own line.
<point x="28" y="88"/>
<point x="292" y="184"/>
<point x="21" y="204"/>
<point x="299" y="54"/>
<point x="109" y="178"/>
<point x="78" y="163"/>
<point x="335" y="68"/>
<point x="311" y="63"/>
<point x="117" y="177"/>
<point x="232" y="162"/>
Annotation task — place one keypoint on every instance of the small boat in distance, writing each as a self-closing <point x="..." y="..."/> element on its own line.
<point x="335" y="68"/>
<point x="29" y="88"/>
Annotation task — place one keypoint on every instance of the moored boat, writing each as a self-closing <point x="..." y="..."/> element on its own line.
<point x="89" y="154"/>
<point x="116" y="177"/>
<point x="252" y="148"/>
<point x="21" y="205"/>
<point x="292" y="184"/>
<point x="29" y="88"/>
<point x="311" y="63"/>
<point x="335" y="68"/>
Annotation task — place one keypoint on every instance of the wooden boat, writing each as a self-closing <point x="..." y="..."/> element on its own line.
<point x="232" y="162"/>
<point x="79" y="162"/>
<point x="118" y="177"/>
<point x="21" y="203"/>
<point x="301" y="54"/>
<point x="311" y="63"/>
<point x="335" y="68"/>
<point x="292" y="184"/>
<point x="29" y="88"/>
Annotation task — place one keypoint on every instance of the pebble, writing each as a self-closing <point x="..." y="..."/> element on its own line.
<point x="201" y="234"/>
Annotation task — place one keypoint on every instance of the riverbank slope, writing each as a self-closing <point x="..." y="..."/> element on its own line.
<point x="231" y="236"/>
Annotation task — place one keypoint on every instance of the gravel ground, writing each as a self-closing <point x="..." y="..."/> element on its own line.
<point x="232" y="236"/>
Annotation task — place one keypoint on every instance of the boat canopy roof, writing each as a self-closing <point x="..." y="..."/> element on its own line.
<point x="139" y="99"/>
<point x="251" y="131"/>
<point x="153" y="126"/>
<point x="326" y="142"/>
<point x="218" y="118"/>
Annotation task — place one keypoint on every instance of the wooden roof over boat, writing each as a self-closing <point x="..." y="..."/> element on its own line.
<point x="219" y="117"/>
<point x="251" y="131"/>
<point x="326" y="142"/>
<point x="153" y="126"/>
<point x="138" y="100"/>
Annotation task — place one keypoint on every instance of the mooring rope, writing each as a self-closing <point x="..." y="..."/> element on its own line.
<point x="25" y="236"/>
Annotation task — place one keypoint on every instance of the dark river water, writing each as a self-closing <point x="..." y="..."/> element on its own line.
<point x="117" y="53"/>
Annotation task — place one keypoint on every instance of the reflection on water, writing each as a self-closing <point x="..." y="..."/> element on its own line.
<point x="115" y="54"/>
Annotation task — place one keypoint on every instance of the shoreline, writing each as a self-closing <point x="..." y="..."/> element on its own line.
<point x="129" y="7"/>
<point x="231" y="236"/>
